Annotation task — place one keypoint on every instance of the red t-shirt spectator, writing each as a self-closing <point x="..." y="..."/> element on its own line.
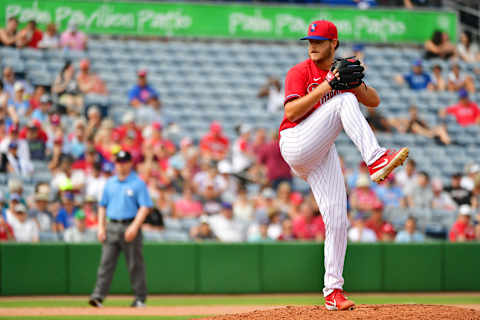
<point x="122" y="132"/>
<point x="461" y="229"/>
<point x="272" y="159"/>
<point x="466" y="114"/>
<point x="215" y="145"/>
<point x="5" y="231"/>
<point x="188" y="208"/>
<point x="304" y="229"/>
<point x="378" y="228"/>
<point x="36" y="38"/>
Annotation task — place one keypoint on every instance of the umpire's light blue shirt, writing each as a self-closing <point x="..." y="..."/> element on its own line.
<point x="123" y="198"/>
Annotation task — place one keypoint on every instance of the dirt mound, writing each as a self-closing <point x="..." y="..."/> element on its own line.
<point x="384" y="312"/>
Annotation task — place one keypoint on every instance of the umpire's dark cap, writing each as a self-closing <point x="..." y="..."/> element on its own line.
<point x="123" y="156"/>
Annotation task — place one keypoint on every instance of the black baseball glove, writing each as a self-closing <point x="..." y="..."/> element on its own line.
<point x="350" y="74"/>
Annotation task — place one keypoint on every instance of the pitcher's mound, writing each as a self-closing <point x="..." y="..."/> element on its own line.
<point x="380" y="311"/>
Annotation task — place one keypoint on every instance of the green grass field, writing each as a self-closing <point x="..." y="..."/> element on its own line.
<point x="75" y="302"/>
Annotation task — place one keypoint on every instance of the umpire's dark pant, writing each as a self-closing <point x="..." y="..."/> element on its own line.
<point x="111" y="248"/>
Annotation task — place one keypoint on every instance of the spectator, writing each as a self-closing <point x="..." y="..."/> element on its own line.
<point x="468" y="181"/>
<point x="361" y="233"/>
<point x="438" y="82"/>
<point x="8" y="35"/>
<point x="476" y="194"/>
<point x="36" y="139"/>
<point x="389" y="193"/>
<point x="18" y="105"/>
<point x="94" y="121"/>
<point x="157" y="139"/>
<point x="6" y="231"/>
<point x="265" y="204"/>
<point x="45" y="220"/>
<point x="242" y="156"/>
<point x="459" y="194"/>
<point x="462" y="230"/>
<point x="441" y="199"/>
<point x="13" y="136"/>
<point x="466" y="49"/>
<point x="51" y="39"/>
<point x="187" y="205"/>
<point x="75" y="144"/>
<point x="259" y="142"/>
<point x="66" y="177"/>
<point x="458" y="80"/>
<point x="388" y="233"/>
<point x="17" y="164"/>
<point x="214" y="144"/>
<point x="242" y="207"/>
<point x="376" y="222"/>
<point x="203" y="232"/>
<point x="44" y="107"/>
<point x="306" y="226"/>
<point x="410" y="234"/>
<point x="422" y="195"/>
<point x="283" y="200"/>
<point x="465" y="111"/>
<point x="406" y="178"/>
<point x="363" y="198"/>
<point x="417" y="79"/>
<point x="352" y="177"/>
<point x="95" y="181"/>
<point x="142" y="94"/>
<point x="287" y="231"/>
<point x="30" y="36"/>
<point x="66" y="213"/>
<point x="277" y="169"/>
<point x="414" y="124"/>
<point x="24" y="228"/>
<point x="377" y="121"/>
<point x="9" y="80"/>
<point x="73" y="39"/>
<point x="226" y="227"/>
<point x="66" y="89"/>
<point x="262" y="235"/>
<point x="3" y="100"/>
<point x="78" y="232"/>
<point x="35" y="98"/>
<point x="273" y="90"/>
<point x="129" y="126"/>
<point x="274" y="227"/>
<point x="89" y="82"/>
<point x="439" y="46"/>
<point x="90" y="206"/>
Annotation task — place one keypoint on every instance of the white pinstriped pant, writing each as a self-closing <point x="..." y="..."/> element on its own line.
<point x="310" y="151"/>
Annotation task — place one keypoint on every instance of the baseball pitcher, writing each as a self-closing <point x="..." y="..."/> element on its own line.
<point x="322" y="96"/>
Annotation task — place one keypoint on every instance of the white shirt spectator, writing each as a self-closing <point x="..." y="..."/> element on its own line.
<point x="274" y="230"/>
<point x="469" y="55"/>
<point x="94" y="186"/>
<point x="23" y="149"/>
<point x="202" y="180"/>
<point x="227" y="230"/>
<point x="72" y="234"/>
<point x="21" y="166"/>
<point x="275" y="99"/>
<point x="365" y="235"/>
<point x="26" y="231"/>
<point x="405" y="182"/>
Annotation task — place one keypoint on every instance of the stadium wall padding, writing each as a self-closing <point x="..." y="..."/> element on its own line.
<point x="29" y="269"/>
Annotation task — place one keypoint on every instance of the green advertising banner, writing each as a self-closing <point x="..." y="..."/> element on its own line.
<point x="230" y="20"/>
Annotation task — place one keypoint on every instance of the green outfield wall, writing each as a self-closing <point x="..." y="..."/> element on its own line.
<point x="28" y="269"/>
<point x="241" y="21"/>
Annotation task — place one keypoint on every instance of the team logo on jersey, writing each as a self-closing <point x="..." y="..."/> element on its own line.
<point x="129" y="192"/>
<point x="313" y="27"/>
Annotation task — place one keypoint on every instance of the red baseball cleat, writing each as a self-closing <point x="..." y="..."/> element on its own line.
<point x="381" y="168"/>
<point x="337" y="301"/>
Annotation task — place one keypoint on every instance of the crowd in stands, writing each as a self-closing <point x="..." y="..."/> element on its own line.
<point x="212" y="189"/>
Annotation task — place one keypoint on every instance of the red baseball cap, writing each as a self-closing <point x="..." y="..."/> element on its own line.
<point x="142" y="73"/>
<point x="321" y="30"/>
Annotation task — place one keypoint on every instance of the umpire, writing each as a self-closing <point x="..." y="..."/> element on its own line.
<point x="125" y="203"/>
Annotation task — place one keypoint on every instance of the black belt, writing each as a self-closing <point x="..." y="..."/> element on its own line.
<point x="125" y="221"/>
